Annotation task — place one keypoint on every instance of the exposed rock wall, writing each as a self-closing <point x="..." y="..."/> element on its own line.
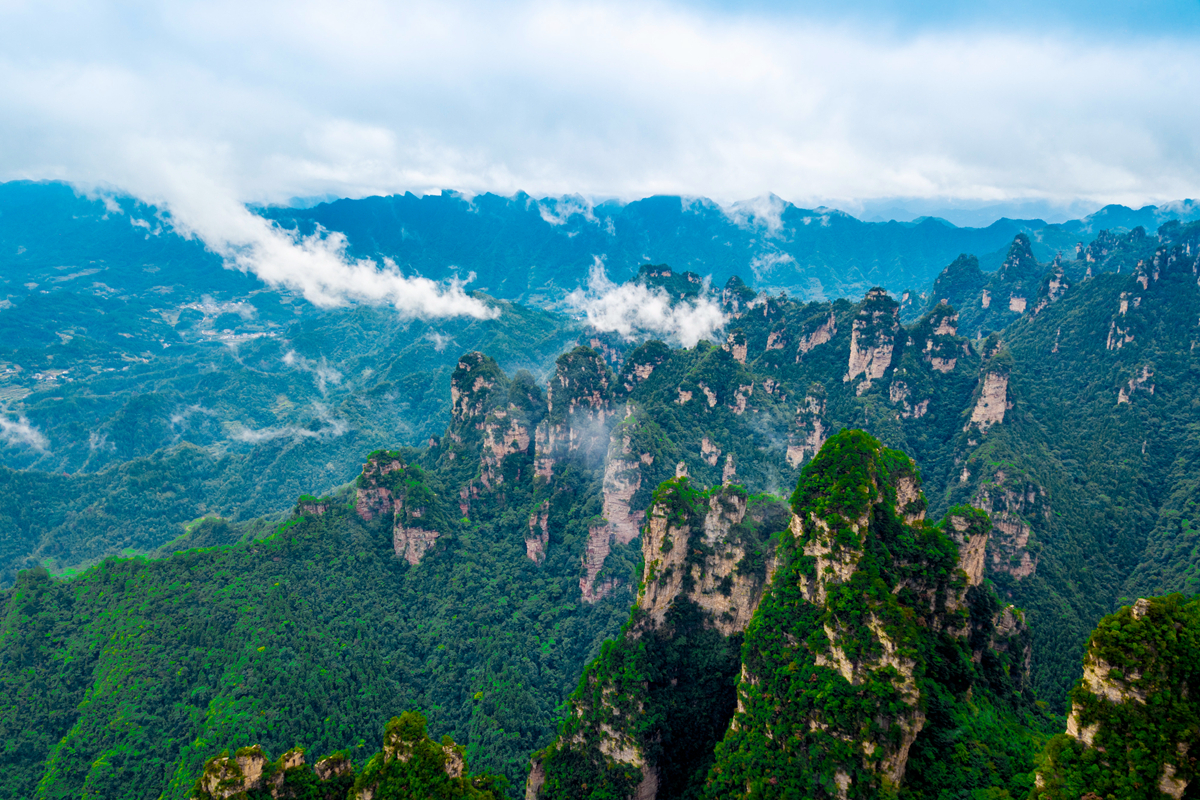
<point x="992" y="403"/>
<point x="809" y="431"/>
<point x="729" y="597"/>
<point x="873" y="339"/>
<point x="622" y="478"/>
<point x="1014" y="503"/>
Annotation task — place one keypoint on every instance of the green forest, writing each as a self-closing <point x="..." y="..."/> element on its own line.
<point x="287" y="539"/>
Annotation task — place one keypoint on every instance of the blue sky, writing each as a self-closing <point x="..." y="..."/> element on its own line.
<point x="202" y="106"/>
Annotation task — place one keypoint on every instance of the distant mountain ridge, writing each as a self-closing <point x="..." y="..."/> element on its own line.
<point x="531" y="249"/>
<point x="536" y="250"/>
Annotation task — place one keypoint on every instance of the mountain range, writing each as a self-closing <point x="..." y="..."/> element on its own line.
<point x="881" y="529"/>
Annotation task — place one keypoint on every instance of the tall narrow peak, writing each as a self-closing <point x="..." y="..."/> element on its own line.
<point x="848" y="645"/>
<point x="873" y="339"/>
<point x="579" y="411"/>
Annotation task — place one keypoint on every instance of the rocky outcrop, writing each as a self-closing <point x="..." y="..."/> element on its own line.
<point x="991" y="404"/>
<point x="1142" y="381"/>
<point x="1134" y="712"/>
<point x="504" y="434"/>
<point x="373" y="497"/>
<point x="728" y="595"/>
<point x="640" y="364"/>
<point x="830" y="636"/>
<point x="706" y="559"/>
<point x="809" y="428"/>
<point x="622" y="478"/>
<point x="249" y="771"/>
<point x="970" y="533"/>
<point x="538" y="537"/>
<point x="1013" y="503"/>
<point x="412" y="543"/>
<point x="873" y="339"/>
<point x="389" y="489"/>
<point x="900" y="394"/>
<point x="737" y="346"/>
<point x="824" y="331"/>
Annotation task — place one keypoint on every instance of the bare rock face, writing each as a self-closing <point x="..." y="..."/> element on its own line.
<point x="1054" y="288"/>
<point x="942" y="345"/>
<point x="470" y="384"/>
<point x="992" y="403"/>
<point x="411" y="543"/>
<point x="622" y="478"/>
<point x="873" y="339"/>
<point x="641" y="363"/>
<point x="810" y="429"/>
<point x="728" y="597"/>
<point x="1136" y="708"/>
<point x="832" y="637"/>
<point x="248" y="771"/>
<point x="1014" y="504"/>
<point x="737" y="298"/>
<point x="971" y="537"/>
<point x="382" y="493"/>
<point x="539" y="533"/>
<point x="737" y="346"/>
<point x="822" y="333"/>
<point x="503" y="435"/>
<point x="1142" y="381"/>
<point x="372" y="498"/>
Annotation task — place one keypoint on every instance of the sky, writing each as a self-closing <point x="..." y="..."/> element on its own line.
<point x="202" y="107"/>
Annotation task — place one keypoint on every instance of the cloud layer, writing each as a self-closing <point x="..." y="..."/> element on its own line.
<point x="632" y="310"/>
<point x="206" y="105"/>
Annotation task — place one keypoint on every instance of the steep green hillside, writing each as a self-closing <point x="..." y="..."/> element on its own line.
<point x="1134" y="717"/>
<point x="875" y="658"/>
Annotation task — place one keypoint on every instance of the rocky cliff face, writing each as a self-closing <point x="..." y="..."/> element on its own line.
<point x="623" y="468"/>
<point x="390" y="489"/>
<point x="409" y="765"/>
<point x="1015" y="504"/>
<point x="873" y="339"/>
<point x="1134" y="723"/>
<point x="718" y="583"/>
<point x="706" y="561"/>
<point x="833" y="680"/>
<point x="810" y="427"/>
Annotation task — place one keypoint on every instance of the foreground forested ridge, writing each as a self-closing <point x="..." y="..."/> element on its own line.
<point x="536" y="498"/>
<point x="876" y="642"/>
<point x="1135" y="714"/>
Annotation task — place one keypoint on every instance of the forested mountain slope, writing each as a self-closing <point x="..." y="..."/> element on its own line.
<point x="863" y="661"/>
<point x="473" y="576"/>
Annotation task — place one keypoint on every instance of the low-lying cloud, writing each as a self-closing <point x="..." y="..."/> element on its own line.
<point x="634" y="309"/>
<point x="330" y="428"/>
<point x="20" y="433"/>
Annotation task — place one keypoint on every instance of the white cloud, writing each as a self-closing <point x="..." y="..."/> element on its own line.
<point x="19" y="433"/>
<point x="205" y="105"/>
<point x="633" y="309"/>
<point x="321" y="370"/>
<point x="558" y="210"/>
<point x="331" y="428"/>
<point x="765" y="212"/>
